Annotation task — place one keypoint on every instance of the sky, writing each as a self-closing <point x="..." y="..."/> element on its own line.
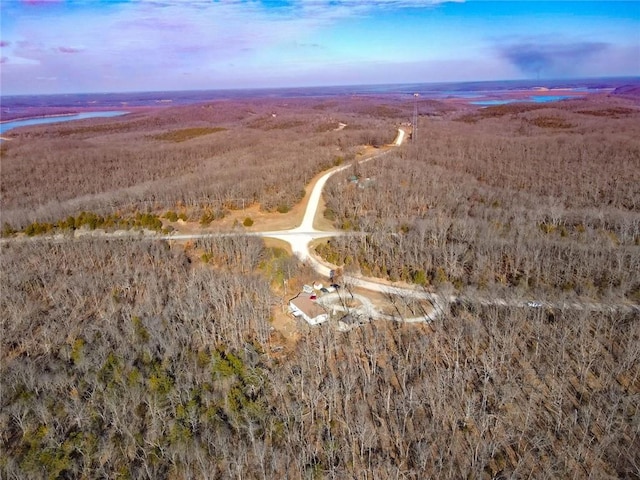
<point x="81" y="46"/>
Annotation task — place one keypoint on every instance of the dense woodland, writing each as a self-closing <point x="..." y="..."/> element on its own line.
<point x="195" y="159"/>
<point x="153" y="359"/>
<point x="498" y="201"/>
<point x="130" y="359"/>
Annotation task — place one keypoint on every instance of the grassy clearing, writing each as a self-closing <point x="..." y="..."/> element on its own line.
<point x="188" y="133"/>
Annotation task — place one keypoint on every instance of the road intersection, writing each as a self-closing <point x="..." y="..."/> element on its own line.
<point x="301" y="236"/>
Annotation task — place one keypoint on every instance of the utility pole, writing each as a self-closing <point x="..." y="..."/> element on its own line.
<point x="414" y="131"/>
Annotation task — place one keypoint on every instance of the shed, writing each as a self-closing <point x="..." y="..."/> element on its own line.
<point x="348" y="322"/>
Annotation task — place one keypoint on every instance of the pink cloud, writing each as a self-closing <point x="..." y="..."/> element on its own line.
<point x="68" y="50"/>
<point x="41" y="2"/>
<point x="4" y="43"/>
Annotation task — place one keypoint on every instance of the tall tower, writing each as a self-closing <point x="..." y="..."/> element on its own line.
<point x="414" y="132"/>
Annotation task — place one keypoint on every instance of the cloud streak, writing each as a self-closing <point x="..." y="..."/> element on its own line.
<point x="67" y="50"/>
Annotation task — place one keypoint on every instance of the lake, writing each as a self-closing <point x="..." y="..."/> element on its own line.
<point x="6" y="126"/>
<point x="533" y="98"/>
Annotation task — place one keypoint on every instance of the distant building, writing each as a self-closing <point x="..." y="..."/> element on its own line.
<point x="362" y="184"/>
<point x="366" y="183"/>
<point x="303" y="307"/>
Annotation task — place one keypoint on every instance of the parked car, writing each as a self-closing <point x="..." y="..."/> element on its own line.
<point x="533" y="304"/>
<point x="313" y="297"/>
<point x="324" y="290"/>
<point x="307" y="289"/>
<point x="335" y="286"/>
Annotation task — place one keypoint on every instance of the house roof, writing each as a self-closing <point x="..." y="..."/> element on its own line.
<point x="309" y="307"/>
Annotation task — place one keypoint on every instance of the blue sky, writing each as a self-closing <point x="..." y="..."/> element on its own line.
<point x="59" y="46"/>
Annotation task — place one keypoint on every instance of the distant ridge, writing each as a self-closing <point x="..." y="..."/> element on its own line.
<point x="17" y="104"/>
<point x="628" y="91"/>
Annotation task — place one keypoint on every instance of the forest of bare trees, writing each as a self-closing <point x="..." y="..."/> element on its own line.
<point x="130" y="359"/>
<point x="488" y="202"/>
<point x="205" y="158"/>
<point x="144" y="358"/>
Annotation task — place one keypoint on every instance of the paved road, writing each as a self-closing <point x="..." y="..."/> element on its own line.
<point x="300" y="237"/>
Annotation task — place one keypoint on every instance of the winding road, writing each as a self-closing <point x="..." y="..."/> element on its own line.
<point x="300" y="237"/>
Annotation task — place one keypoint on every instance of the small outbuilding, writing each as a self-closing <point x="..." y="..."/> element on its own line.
<point x="349" y="322"/>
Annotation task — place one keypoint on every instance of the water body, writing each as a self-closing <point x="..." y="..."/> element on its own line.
<point x="6" y="126"/>
<point x="533" y="98"/>
<point x="551" y="98"/>
<point x="490" y="103"/>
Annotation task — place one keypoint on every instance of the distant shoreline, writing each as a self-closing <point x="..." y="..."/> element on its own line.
<point x="78" y="111"/>
<point x="44" y="119"/>
<point x="36" y="117"/>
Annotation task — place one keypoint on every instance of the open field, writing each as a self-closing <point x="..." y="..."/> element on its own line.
<point x="149" y="358"/>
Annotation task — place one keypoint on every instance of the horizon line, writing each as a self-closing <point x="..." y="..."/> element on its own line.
<point x="635" y="78"/>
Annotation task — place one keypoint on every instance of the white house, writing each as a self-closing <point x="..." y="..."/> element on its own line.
<point x="303" y="307"/>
